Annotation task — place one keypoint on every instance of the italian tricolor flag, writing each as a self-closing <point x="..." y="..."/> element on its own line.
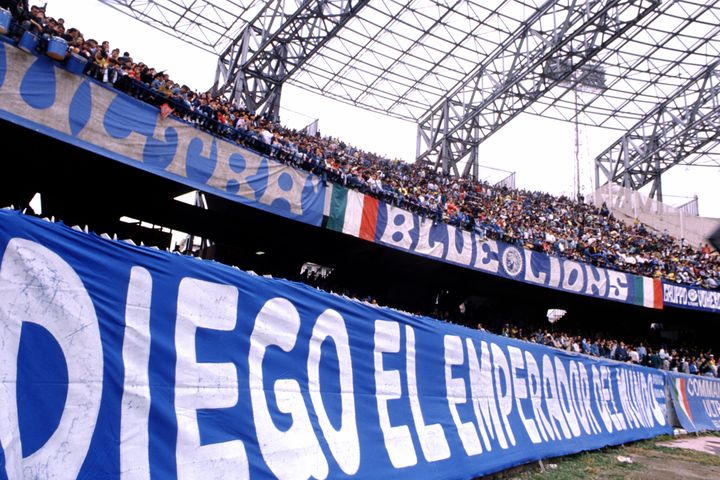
<point x="680" y="394"/>
<point x="352" y="213"/>
<point x="648" y="292"/>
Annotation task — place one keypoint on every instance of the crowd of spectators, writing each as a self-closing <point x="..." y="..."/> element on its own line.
<point x="687" y="359"/>
<point x="538" y="221"/>
<point x="684" y="360"/>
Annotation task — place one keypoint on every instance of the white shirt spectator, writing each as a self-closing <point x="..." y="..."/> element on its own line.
<point x="634" y="356"/>
<point x="266" y="136"/>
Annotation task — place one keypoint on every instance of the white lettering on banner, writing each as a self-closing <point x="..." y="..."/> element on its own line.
<point x="712" y="407"/>
<point x="486" y="255"/>
<point x="674" y="294"/>
<point x="639" y="396"/>
<point x="581" y="386"/>
<point x="656" y="388"/>
<point x="432" y="438"/>
<point x="457" y="394"/>
<point x="632" y="414"/>
<point x="616" y="415"/>
<point x="520" y="389"/>
<point x="504" y="400"/>
<point x="649" y="403"/>
<point x="425" y="245"/>
<point x="535" y="387"/>
<point x="462" y="256"/>
<point x="135" y="405"/>
<point x="37" y="286"/>
<point x="204" y="385"/>
<point x="692" y="297"/>
<point x="576" y="397"/>
<point x="343" y="442"/>
<point x="565" y="395"/>
<point x="550" y="394"/>
<point x="618" y="285"/>
<point x="398" y="227"/>
<point x="697" y="387"/>
<point x="294" y="453"/>
<point x="530" y="275"/>
<point x="600" y="394"/>
<point x="555" y="274"/>
<point x="397" y="230"/>
<point x="573" y="277"/>
<point x="483" y="395"/>
<point x="709" y="300"/>
<point x="596" y="285"/>
<point x="398" y="441"/>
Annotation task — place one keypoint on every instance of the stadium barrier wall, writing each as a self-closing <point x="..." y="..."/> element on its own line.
<point x="36" y="93"/>
<point x="120" y="361"/>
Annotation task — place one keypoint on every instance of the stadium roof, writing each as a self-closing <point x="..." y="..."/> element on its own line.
<point x="400" y="57"/>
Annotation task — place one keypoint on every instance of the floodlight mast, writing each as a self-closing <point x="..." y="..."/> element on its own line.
<point x="516" y="74"/>
<point x="675" y="132"/>
<point x="274" y="45"/>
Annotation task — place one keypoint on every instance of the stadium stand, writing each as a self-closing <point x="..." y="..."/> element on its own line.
<point x="538" y="221"/>
<point x="534" y="220"/>
<point x="684" y="357"/>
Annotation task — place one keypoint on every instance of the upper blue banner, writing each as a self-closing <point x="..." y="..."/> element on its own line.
<point x="124" y="362"/>
<point x="403" y="230"/>
<point x="696" y="298"/>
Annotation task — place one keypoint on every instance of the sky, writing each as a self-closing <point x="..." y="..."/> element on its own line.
<point x="542" y="152"/>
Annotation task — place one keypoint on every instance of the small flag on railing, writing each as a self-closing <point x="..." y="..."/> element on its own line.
<point x="311" y="129"/>
<point x="165" y="110"/>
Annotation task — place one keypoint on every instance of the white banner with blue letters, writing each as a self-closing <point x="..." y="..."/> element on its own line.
<point x="119" y="361"/>
<point x="36" y="93"/>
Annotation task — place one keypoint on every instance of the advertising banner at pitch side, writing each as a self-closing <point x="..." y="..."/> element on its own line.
<point x="119" y="361"/>
<point x="696" y="400"/>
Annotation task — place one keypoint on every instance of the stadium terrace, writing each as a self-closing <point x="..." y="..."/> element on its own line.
<point x="559" y="226"/>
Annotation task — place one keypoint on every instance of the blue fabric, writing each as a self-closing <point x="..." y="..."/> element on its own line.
<point x="694" y="298"/>
<point x="696" y="400"/>
<point x="229" y="376"/>
<point x="409" y="232"/>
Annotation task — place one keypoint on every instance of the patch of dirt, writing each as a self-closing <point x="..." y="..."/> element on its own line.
<point x="651" y="460"/>
<point x="657" y="464"/>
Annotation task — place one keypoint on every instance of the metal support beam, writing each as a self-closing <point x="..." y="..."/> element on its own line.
<point x="549" y="48"/>
<point x="274" y="45"/>
<point x="675" y="132"/>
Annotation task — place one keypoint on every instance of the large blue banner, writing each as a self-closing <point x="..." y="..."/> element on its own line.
<point x="696" y="401"/>
<point x="119" y="361"/>
<point x="36" y="93"/>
